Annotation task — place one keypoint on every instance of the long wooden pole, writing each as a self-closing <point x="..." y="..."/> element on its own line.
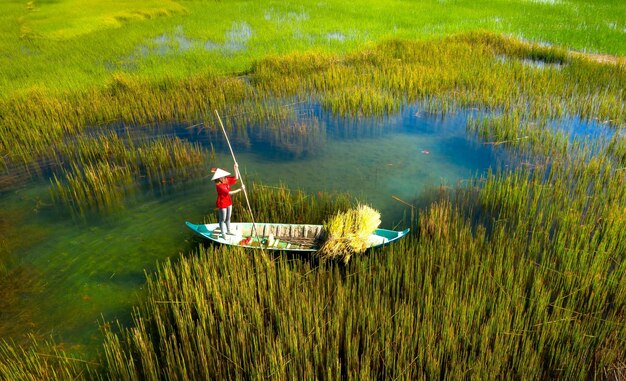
<point x="245" y="192"/>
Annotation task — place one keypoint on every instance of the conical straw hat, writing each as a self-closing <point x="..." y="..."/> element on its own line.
<point x="219" y="173"/>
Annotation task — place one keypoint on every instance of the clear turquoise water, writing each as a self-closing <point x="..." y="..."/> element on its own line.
<point x="92" y="271"/>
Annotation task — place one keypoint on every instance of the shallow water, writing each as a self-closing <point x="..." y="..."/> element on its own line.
<point x="92" y="271"/>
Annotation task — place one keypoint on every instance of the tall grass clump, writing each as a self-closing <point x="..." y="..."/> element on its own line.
<point x="101" y="186"/>
<point x="106" y="170"/>
<point x="360" y="101"/>
<point x="520" y="134"/>
<point x="125" y="101"/>
<point x="284" y="205"/>
<point x="434" y="222"/>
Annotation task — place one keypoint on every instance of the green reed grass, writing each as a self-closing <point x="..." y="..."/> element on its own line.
<point x="101" y="186"/>
<point x="471" y="70"/>
<point x="281" y="204"/>
<point x="520" y="133"/>
<point x="83" y="45"/>
<point x="361" y="101"/>
<point x="519" y="274"/>
<point x="617" y="148"/>
<point x="105" y="170"/>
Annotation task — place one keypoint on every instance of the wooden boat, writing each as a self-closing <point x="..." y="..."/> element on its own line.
<point x="286" y="237"/>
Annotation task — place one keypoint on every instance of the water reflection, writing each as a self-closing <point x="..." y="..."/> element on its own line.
<point x="291" y="139"/>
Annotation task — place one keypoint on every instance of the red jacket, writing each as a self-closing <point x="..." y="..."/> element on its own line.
<point x="223" y="193"/>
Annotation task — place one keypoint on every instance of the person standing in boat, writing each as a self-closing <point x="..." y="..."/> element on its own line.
<point x="223" y="181"/>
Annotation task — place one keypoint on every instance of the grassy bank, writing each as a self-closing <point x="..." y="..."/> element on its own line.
<point x="73" y="44"/>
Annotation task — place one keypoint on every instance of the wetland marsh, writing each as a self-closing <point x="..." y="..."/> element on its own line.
<point x="505" y="154"/>
<point x="92" y="259"/>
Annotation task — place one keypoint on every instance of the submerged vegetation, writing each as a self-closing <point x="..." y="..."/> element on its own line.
<point x="16" y="282"/>
<point x="41" y="360"/>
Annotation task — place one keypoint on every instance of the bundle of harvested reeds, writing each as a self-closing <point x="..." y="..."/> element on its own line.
<point x="347" y="233"/>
